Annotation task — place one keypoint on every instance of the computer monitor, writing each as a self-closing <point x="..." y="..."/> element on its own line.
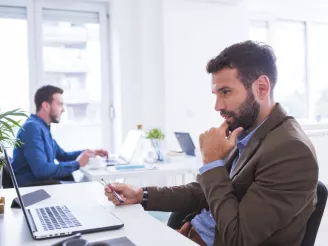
<point x="186" y="143"/>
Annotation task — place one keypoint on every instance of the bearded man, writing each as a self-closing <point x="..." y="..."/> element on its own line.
<point x="257" y="185"/>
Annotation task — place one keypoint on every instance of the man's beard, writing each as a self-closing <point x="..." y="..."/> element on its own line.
<point x="53" y="118"/>
<point x="248" y="113"/>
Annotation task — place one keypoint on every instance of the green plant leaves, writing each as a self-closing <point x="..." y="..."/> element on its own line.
<point x="155" y="133"/>
<point x="8" y="124"/>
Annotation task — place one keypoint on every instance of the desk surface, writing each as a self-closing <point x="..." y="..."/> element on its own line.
<point x="167" y="169"/>
<point x="139" y="226"/>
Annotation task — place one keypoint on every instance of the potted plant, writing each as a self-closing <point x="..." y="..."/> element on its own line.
<point x="9" y="122"/>
<point x="156" y="135"/>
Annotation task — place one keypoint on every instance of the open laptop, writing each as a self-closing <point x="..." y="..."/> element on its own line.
<point x="186" y="143"/>
<point x="57" y="220"/>
<point x="128" y="148"/>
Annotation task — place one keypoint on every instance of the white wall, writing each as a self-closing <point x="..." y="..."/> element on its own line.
<point x="194" y="32"/>
<point x="161" y="50"/>
<point x="290" y="9"/>
<point x="126" y="63"/>
<point x="137" y="62"/>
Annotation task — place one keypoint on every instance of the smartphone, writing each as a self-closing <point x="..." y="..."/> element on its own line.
<point x="117" y="196"/>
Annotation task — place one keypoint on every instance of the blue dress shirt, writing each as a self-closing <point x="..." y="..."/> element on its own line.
<point x="34" y="160"/>
<point x="204" y="223"/>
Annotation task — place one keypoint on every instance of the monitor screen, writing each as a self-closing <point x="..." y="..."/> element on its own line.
<point x="186" y="143"/>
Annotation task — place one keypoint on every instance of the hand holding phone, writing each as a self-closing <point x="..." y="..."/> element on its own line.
<point x="117" y="196"/>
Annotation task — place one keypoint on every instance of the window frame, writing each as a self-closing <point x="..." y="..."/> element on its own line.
<point x="35" y="48"/>
<point x="309" y="20"/>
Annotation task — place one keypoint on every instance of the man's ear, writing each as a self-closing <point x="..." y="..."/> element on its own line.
<point x="262" y="87"/>
<point x="46" y="106"/>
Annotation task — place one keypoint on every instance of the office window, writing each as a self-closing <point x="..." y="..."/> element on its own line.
<point x="14" y="75"/>
<point x="319" y="54"/>
<point x="71" y="56"/>
<point x="289" y="45"/>
<point x="72" y="61"/>
<point x="259" y="31"/>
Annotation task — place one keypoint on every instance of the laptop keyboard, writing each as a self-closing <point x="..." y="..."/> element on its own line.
<point x="56" y="217"/>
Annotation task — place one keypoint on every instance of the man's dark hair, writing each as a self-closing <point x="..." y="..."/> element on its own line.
<point x="251" y="59"/>
<point x="44" y="94"/>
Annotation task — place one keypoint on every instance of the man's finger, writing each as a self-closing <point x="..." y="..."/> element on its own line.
<point x="108" y="190"/>
<point x="184" y="230"/>
<point x="224" y="126"/>
<point x="111" y="198"/>
<point x="233" y="136"/>
<point x="116" y="203"/>
<point x="117" y="187"/>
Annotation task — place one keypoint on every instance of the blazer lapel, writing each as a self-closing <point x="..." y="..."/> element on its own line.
<point x="248" y="152"/>
<point x="277" y="117"/>
<point x="230" y="158"/>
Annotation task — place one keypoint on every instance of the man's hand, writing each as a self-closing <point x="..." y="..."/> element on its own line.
<point x="128" y="193"/>
<point x="185" y="229"/>
<point x="84" y="157"/>
<point x="101" y="152"/>
<point x="215" y="145"/>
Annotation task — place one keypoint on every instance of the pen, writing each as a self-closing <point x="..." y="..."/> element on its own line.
<point x="118" y="198"/>
<point x="77" y="235"/>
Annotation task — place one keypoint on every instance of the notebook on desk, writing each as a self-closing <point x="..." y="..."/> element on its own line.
<point x="129" y="167"/>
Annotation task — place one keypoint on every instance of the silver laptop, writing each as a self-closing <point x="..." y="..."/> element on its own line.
<point x="128" y="149"/>
<point x="60" y="220"/>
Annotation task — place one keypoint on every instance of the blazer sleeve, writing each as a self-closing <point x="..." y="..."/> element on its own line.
<point x="184" y="198"/>
<point x="285" y="182"/>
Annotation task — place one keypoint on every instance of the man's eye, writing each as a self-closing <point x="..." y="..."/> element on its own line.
<point x="225" y="92"/>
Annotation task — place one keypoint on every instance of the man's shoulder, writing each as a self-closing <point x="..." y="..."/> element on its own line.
<point x="290" y="129"/>
<point x="31" y="125"/>
<point x="289" y="132"/>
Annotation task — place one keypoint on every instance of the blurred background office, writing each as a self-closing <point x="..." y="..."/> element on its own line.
<point x="127" y="62"/>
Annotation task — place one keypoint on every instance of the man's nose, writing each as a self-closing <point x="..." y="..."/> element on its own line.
<point x="219" y="105"/>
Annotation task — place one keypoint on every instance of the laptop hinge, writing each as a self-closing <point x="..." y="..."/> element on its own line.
<point x="31" y="221"/>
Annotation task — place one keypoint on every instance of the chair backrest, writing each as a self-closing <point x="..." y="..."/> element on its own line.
<point x="313" y="223"/>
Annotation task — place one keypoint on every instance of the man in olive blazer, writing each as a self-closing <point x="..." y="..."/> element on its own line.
<point x="258" y="182"/>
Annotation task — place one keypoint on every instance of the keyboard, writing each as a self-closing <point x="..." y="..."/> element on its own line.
<point x="56" y="217"/>
<point x="112" y="162"/>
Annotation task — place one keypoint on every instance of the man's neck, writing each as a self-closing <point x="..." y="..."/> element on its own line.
<point x="44" y="117"/>
<point x="263" y="114"/>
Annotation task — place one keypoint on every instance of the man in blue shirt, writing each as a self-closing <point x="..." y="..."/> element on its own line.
<point x="33" y="162"/>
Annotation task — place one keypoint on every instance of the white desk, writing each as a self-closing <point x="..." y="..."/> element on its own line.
<point x="139" y="226"/>
<point x="160" y="170"/>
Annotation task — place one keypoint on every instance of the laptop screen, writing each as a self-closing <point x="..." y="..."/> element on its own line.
<point x="186" y="143"/>
<point x="13" y="178"/>
<point x="130" y="145"/>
